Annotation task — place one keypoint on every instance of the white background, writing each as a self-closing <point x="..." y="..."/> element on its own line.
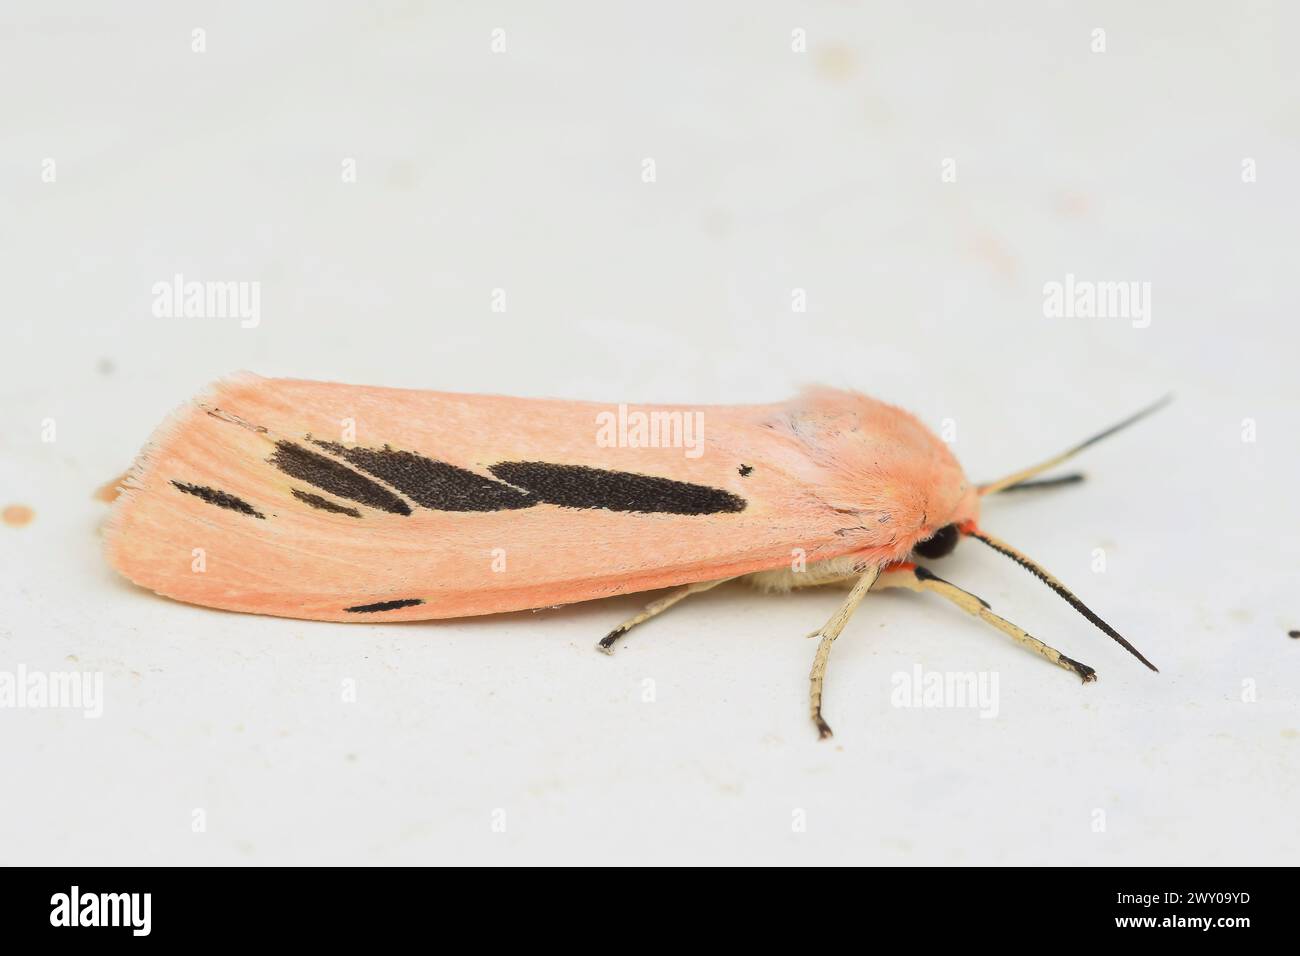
<point x="776" y="170"/>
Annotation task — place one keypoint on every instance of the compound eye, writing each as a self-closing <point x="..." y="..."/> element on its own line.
<point x="939" y="544"/>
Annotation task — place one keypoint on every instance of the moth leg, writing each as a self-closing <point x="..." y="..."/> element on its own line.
<point x="828" y="632"/>
<point x="606" y="643"/>
<point x="918" y="579"/>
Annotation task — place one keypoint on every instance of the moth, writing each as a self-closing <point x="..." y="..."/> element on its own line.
<point x="338" y="502"/>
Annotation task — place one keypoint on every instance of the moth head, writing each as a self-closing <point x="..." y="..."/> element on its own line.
<point x="950" y="510"/>
<point x="942" y="540"/>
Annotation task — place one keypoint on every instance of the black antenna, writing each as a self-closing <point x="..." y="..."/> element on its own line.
<point x="1025" y="562"/>
<point x="1035" y="483"/>
<point x="1020" y="477"/>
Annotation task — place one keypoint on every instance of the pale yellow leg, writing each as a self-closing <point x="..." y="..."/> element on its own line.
<point x="655" y="607"/>
<point x="828" y="632"/>
<point x="919" y="579"/>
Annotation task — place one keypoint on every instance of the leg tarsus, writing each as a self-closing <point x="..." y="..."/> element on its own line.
<point x="606" y="643"/>
<point x="1086" y="673"/>
<point x="824" y="731"/>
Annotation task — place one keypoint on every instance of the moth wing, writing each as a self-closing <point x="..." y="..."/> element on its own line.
<point x="337" y="502"/>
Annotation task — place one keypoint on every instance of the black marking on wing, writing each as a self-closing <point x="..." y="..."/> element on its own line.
<point x="746" y="470"/>
<point x="577" y="486"/>
<point x="384" y="606"/>
<point x="324" y="504"/>
<point x="222" y="499"/>
<point x="335" y="477"/>
<point x="433" y="484"/>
